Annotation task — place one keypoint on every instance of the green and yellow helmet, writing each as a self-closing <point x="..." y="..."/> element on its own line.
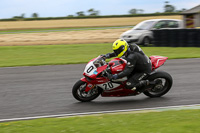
<point x="120" y="47"/>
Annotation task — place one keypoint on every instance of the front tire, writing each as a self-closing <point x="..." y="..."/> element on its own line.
<point x="79" y="93"/>
<point x="163" y="84"/>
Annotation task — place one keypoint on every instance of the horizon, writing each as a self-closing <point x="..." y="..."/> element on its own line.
<point x="63" y="8"/>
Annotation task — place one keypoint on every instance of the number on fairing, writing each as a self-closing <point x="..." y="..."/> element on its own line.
<point x="90" y="69"/>
<point x="108" y="86"/>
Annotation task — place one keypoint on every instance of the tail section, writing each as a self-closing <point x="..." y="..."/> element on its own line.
<point x="157" y="61"/>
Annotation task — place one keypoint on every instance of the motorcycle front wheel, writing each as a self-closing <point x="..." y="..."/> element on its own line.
<point x="163" y="84"/>
<point x="79" y="93"/>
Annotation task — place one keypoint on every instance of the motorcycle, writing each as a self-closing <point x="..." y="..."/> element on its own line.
<point x="96" y="81"/>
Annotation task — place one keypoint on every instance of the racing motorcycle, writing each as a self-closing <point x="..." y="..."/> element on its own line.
<point x="96" y="81"/>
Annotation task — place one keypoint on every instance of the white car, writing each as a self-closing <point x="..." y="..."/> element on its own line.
<point x="142" y="33"/>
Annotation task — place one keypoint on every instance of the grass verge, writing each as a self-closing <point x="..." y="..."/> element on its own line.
<point x="73" y="54"/>
<point x="182" y="121"/>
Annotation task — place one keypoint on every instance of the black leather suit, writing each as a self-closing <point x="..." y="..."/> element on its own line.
<point x="138" y="65"/>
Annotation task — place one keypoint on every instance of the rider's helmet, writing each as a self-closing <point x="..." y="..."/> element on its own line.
<point x="120" y="47"/>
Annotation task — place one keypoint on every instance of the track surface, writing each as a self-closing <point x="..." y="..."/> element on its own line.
<point x="46" y="90"/>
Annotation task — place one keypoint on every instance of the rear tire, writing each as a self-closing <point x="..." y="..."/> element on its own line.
<point x="79" y="93"/>
<point x="163" y="85"/>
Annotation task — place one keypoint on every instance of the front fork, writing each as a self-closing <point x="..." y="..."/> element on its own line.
<point x="89" y="85"/>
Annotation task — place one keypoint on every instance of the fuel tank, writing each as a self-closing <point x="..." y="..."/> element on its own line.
<point x="117" y="65"/>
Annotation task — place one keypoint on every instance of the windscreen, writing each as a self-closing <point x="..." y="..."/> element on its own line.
<point x="145" y="25"/>
<point x="99" y="62"/>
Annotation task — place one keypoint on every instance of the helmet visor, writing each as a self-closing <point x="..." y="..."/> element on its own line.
<point x="119" y="50"/>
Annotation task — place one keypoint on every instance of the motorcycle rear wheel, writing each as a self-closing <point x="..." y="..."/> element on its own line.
<point x="79" y="93"/>
<point x="163" y="85"/>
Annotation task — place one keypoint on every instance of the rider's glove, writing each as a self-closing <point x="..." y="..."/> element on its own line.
<point x="114" y="76"/>
<point x="105" y="56"/>
<point x="109" y="76"/>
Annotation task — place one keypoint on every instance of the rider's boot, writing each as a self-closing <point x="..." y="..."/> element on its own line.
<point x="140" y="87"/>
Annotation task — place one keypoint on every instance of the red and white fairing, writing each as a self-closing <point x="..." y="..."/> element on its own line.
<point x="157" y="61"/>
<point x="95" y="68"/>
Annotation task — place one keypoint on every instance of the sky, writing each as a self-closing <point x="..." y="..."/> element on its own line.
<point x="62" y="8"/>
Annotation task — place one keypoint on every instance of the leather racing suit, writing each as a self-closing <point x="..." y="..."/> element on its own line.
<point x="138" y="66"/>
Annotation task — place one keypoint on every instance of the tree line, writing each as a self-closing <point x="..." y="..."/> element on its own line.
<point x="168" y="8"/>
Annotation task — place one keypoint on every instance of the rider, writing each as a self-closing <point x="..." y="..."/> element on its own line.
<point x="138" y="64"/>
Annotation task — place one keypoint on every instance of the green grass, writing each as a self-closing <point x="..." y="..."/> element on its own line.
<point x="74" y="54"/>
<point x="184" y="121"/>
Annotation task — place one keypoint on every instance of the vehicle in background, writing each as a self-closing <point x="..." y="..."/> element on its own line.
<point x="142" y="33"/>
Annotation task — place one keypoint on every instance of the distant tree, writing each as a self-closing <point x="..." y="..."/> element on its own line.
<point x="81" y="13"/>
<point x="92" y="12"/>
<point x="168" y="7"/>
<point x="70" y="16"/>
<point x="136" y="11"/>
<point x="34" y="15"/>
<point x="18" y="17"/>
<point x="23" y="15"/>
<point x="133" y="11"/>
<point x="183" y="9"/>
<point x="140" y="11"/>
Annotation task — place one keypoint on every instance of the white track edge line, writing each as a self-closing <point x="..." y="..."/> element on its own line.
<point x="99" y="112"/>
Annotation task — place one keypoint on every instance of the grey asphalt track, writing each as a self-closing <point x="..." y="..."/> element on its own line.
<point x="46" y="90"/>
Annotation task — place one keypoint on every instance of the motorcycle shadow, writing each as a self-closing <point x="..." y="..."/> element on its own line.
<point x="122" y="102"/>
